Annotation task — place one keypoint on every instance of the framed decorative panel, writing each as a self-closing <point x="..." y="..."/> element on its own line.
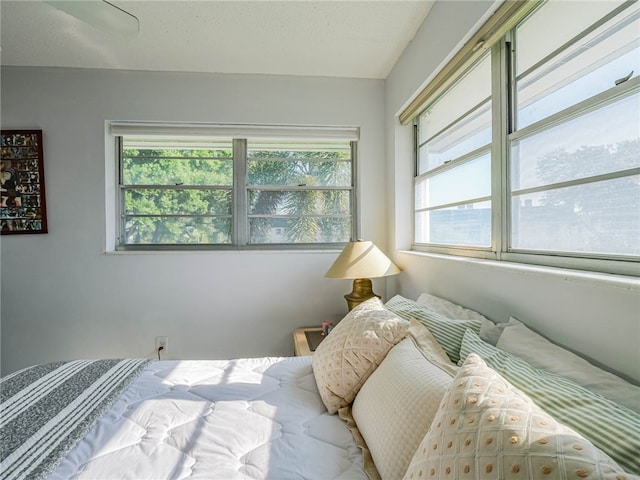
<point x="23" y="207"/>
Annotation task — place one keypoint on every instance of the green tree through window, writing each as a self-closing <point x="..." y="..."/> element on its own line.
<point x="295" y="194"/>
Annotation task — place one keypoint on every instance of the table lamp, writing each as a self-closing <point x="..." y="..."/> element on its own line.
<point x="361" y="261"/>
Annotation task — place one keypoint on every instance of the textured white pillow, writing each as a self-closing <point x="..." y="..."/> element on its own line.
<point x="396" y="405"/>
<point x="489" y="331"/>
<point x="518" y="339"/>
<point x="487" y="429"/>
<point x="353" y="350"/>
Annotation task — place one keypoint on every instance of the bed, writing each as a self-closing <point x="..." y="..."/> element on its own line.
<point x="401" y="390"/>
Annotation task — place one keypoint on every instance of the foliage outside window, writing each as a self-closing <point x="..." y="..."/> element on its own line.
<point x="181" y="192"/>
<point x="299" y="194"/>
<point x="543" y="166"/>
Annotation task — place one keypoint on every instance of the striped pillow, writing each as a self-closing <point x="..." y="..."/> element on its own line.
<point x="611" y="427"/>
<point x="448" y="332"/>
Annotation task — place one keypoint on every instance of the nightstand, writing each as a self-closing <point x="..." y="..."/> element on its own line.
<point x="306" y="340"/>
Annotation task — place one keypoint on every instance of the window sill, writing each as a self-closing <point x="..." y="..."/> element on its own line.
<point x="580" y="276"/>
<point x="222" y="251"/>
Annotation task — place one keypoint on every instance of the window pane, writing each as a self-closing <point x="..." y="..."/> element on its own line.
<point x="468" y="225"/>
<point x="177" y="230"/>
<point x="603" y="141"/>
<point x="467" y="135"/>
<point x="470" y="180"/>
<point x="300" y="216"/>
<point x="583" y="70"/>
<point x="311" y="202"/>
<point x="158" y="161"/>
<point x="601" y="218"/>
<point x="301" y="172"/>
<point x="177" y="202"/>
<point x="472" y="89"/>
<point x="299" y="230"/>
<point x="553" y="19"/>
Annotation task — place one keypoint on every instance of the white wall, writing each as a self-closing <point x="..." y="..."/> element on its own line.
<point x="62" y="297"/>
<point x="598" y="315"/>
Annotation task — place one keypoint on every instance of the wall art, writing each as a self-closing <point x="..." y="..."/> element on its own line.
<point x="22" y="183"/>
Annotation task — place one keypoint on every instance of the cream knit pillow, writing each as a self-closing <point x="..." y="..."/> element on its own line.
<point x="396" y="405"/>
<point x="353" y="350"/>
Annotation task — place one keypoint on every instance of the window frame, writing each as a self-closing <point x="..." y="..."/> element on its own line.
<point x="490" y="252"/>
<point x="503" y="74"/>
<point x="240" y="134"/>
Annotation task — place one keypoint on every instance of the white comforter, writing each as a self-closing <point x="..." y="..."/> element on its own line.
<point x="240" y="419"/>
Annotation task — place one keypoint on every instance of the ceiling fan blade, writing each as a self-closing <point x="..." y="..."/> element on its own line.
<point x="101" y="14"/>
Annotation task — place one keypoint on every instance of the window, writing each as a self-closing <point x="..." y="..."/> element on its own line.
<point x="176" y="192"/>
<point x="533" y="152"/>
<point x="299" y="193"/>
<point x="575" y="151"/>
<point x="183" y="190"/>
<point x="453" y="185"/>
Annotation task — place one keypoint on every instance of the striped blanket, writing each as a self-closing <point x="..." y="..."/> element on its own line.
<point x="46" y="409"/>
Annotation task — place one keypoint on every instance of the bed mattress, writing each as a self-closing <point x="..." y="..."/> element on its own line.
<point x="240" y="419"/>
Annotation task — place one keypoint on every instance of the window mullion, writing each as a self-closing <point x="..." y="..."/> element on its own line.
<point x="240" y="206"/>
<point x="510" y="119"/>
<point x="120" y="219"/>
<point x="355" y="213"/>
<point x="500" y="72"/>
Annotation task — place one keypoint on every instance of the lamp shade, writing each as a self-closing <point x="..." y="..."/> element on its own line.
<point x="361" y="259"/>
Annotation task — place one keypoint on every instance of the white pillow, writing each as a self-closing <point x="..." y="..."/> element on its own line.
<point x="489" y="331"/>
<point x="430" y="347"/>
<point x="396" y="405"/>
<point x="519" y="340"/>
<point x="353" y="350"/>
<point x="487" y="429"/>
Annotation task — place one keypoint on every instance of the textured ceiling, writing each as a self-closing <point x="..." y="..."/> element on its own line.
<point x="360" y="39"/>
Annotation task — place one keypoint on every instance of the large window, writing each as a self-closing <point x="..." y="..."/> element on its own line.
<point x="181" y="191"/>
<point x="533" y="154"/>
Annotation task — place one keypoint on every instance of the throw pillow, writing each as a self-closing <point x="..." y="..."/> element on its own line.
<point x="489" y="331"/>
<point x="396" y="405"/>
<point x="487" y="429"/>
<point x="523" y="342"/>
<point x="612" y="428"/>
<point x="353" y="350"/>
<point x="448" y="332"/>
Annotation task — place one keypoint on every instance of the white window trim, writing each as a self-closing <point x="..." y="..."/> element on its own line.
<point x="177" y="129"/>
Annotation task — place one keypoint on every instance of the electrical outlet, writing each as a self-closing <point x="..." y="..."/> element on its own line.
<point x="162" y="342"/>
